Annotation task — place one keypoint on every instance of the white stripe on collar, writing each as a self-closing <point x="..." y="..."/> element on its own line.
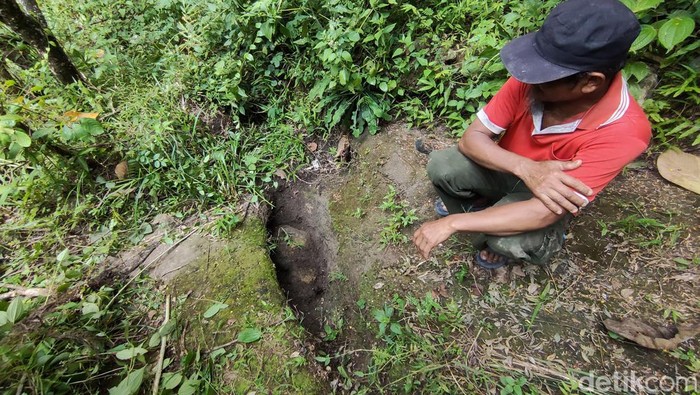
<point x="621" y="108"/>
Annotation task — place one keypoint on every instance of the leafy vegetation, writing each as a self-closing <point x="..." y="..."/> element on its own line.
<point x="399" y="218"/>
<point x="189" y="105"/>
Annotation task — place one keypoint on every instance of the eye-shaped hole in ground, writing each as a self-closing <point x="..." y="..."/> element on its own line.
<point x="304" y="245"/>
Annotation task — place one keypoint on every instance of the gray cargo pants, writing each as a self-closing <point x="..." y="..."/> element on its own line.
<point x="457" y="179"/>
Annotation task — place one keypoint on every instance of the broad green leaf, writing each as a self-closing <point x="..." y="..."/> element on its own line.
<point x="676" y="30"/>
<point x="130" y="353"/>
<point x="3" y="318"/>
<point x="14" y="150"/>
<point x="44" y="359"/>
<point x="72" y="274"/>
<point x="216" y="353"/>
<point x="41" y="132"/>
<point x="338" y="113"/>
<point x="62" y="255"/>
<point x="11" y="118"/>
<point x="91" y="126"/>
<point x="383" y="86"/>
<point x="154" y="340"/>
<point x="629" y="3"/>
<point x="641" y="5"/>
<point x="189" y="387"/>
<point x="167" y="328"/>
<point x="396" y="328"/>
<point x="354" y="36"/>
<point x="171" y="380"/>
<point x="379" y="315"/>
<point x="249" y="335"/>
<point x="267" y="29"/>
<point x="90" y="308"/>
<point x="638" y="69"/>
<point x="145" y="228"/>
<point x="15" y="311"/>
<point x="646" y="36"/>
<point x="130" y="385"/>
<point x="343" y="77"/>
<point x="22" y="139"/>
<point x="214" y="309"/>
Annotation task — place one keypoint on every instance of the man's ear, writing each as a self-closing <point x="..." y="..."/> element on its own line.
<point x="593" y="82"/>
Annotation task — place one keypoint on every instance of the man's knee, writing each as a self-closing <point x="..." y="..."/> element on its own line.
<point x="445" y="166"/>
<point x="536" y="247"/>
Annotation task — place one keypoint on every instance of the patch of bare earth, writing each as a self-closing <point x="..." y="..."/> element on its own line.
<point x="633" y="253"/>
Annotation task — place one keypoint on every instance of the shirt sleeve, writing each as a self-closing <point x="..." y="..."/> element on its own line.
<point x="502" y="109"/>
<point x="604" y="158"/>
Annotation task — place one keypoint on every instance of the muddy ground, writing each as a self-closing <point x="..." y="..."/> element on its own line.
<point x="633" y="253"/>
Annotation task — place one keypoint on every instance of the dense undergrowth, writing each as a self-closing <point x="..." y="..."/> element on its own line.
<point x="201" y="104"/>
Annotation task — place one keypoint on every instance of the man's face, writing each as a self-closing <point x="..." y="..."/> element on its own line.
<point x="556" y="91"/>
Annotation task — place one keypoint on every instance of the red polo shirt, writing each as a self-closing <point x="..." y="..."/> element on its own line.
<point x="607" y="137"/>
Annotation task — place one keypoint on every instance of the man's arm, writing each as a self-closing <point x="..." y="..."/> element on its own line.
<point x="547" y="180"/>
<point x="504" y="220"/>
<point x="555" y="193"/>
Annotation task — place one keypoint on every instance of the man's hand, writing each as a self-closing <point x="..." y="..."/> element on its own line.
<point x="432" y="233"/>
<point x="557" y="190"/>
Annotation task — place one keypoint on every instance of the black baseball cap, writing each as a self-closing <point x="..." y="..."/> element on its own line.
<point x="578" y="35"/>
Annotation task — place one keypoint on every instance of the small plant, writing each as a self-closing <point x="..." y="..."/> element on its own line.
<point x="290" y="240"/>
<point x="383" y="317"/>
<point x="332" y="330"/>
<point x="644" y="231"/>
<point x="685" y="263"/>
<point x="358" y="213"/>
<point x="399" y="218"/>
<point x="541" y="300"/>
<point x="673" y="315"/>
<point x="513" y="386"/>
<point x="338" y="276"/>
<point x="462" y="273"/>
<point x="688" y="357"/>
<point x="225" y="225"/>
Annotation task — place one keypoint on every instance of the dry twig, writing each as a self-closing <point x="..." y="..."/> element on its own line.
<point x="163" y="342"/>
<point x="22" y="291"/>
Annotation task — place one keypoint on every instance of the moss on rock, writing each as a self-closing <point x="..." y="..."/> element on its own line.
<point x="238" y="272"/>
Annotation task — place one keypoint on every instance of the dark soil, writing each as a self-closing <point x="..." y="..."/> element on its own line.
<point x="304" y="245"/>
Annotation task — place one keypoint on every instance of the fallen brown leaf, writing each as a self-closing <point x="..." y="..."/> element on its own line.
<point x="680" y="168"/>
<point x="121" y="170"/>
<point x="76" y="115"/>
<point x="686" y="277"/>
<point x="281" y="174"/>
<point x="343" y="151"/>
<point x="441" y="291"/>
<point x="517" y="270"/>
<point x="656" y="338"/>
<point x="626" y="293"/>
<point x="477" y="289"/>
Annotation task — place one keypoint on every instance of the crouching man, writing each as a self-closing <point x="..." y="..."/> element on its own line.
<point x="557" y="132"/>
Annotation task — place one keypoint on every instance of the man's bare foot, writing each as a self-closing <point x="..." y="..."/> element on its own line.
<point x="489" y="259"/>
